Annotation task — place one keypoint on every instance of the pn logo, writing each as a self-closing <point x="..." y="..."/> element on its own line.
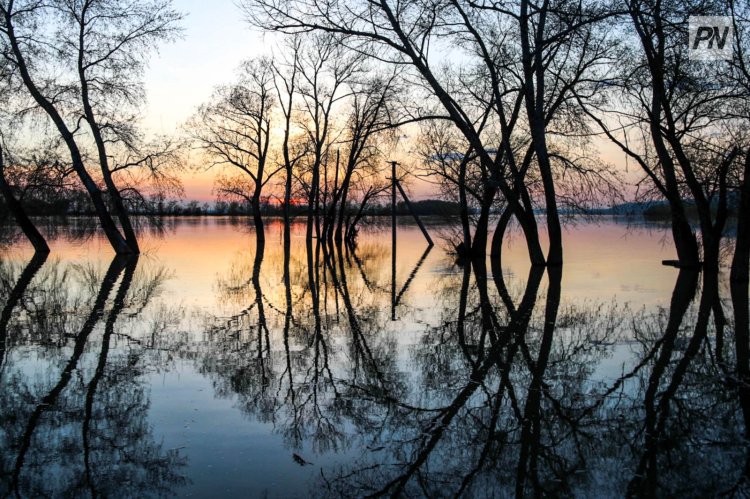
<point x="711" y="38"/>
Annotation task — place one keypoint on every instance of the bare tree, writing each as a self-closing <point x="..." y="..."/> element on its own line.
<point x="234" y="130"/>
<point x="668" y="115"/>
<point x="739" y="77"/>
<point x="286" y="81"/>
<point x="7" y="186"/>
<point x="324" y="68"/>
<point x="523" y="58"/>
<point x="19" y="20"/>
<point x="82" y="60"/>
<point x="19" y="213"/>
<point x="370" y="187"/>
<point x="460" y="176"/>
<point x="371" y="113"/>
<point x="108" y="40"/>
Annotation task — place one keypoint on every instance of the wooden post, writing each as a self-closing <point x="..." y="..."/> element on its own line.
<point x="414" y="214"/>
<point x="393" y="240"/>
<point x="395" y="184"/>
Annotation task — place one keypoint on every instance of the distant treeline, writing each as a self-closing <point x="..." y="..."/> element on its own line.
<point x="660" y="210"/>
<point x="77" y="204"/>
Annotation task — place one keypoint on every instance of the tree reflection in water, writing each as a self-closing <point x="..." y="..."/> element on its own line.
<point x="503" y="387"/>
<point x="505" y="396"/>
<point x="79" y="425"/>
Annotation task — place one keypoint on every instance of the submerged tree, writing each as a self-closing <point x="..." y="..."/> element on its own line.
<point x="371" y="112"/>
<point x="36" y="179"/>
<point x="738" y="75"/>
<point x="234" y="130"/>
<point x="6" y="187"/>
<point x="524" y="64"/>
<point x="325" y="68"/>
<point x="82" y="60"/>
<point x="672" y="116"/>
<point x="286" y="82"/>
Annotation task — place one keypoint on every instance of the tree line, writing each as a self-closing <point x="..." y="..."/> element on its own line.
<point x="504" y="106"/>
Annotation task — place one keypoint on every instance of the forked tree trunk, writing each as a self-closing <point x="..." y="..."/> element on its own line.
<point x="113" y="234"/>
<point x="112" y="189"/>
<point x="533" y="88"/>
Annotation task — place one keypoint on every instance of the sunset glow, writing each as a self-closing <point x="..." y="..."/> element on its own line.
<point x="374" y="248"/>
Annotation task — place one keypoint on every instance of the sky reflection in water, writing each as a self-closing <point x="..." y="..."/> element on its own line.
<point x="207" y="367"/>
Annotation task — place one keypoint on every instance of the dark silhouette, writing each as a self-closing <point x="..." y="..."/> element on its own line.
<point x="396" y="369"/>
<point x="19" y="213"/>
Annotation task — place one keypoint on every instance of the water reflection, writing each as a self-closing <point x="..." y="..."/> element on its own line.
<point x="79" y="425"/>
<point x="433" y="378"/>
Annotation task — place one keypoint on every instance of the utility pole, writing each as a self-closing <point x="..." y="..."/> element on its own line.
<point x="396" y="185"/>
<point x="393" y="240"/>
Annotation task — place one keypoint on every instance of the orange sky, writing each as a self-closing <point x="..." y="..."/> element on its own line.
<point x="216" y="39"/>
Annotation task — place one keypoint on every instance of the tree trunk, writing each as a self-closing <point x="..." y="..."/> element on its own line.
<point x="685" y="241"/>
<point x="330" y="210"/>
<point x="464" y="202"/>
<point x="479" y="244"/>
<point x="112" y="190"/>
<point x="739" y="292"/>
<point x="16" y="209"/>
<point x="533" y="88"/>
<point x="496" y="248"/>
<point x="528" y="224"/>
<point x="342" y="207"/>
<point x="351" y="229"/>
<point x="287" y="196"/>
<point x="108" y="225"/>
<point x="741" y="258"/>
<point x="713" y="230"/>
<point x="257" y="216"/>
<point x="312" y="208"/>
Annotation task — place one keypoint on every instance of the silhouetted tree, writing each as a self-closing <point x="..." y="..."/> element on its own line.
<point x="234" y="129"/>
<point x="84" y="59"/>
<point x="325" y="70"/>
<point x="672" y="116"/>
<point x="19" y="213"/>
<point x="372" y="103"/>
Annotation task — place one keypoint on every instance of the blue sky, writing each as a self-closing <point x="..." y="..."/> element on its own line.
<point x="182" y="75"/>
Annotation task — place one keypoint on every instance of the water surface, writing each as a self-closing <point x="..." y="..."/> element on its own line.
<point x="212" y="366"/>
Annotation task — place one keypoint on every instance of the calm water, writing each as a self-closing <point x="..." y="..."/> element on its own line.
<point x="209" y="368"/>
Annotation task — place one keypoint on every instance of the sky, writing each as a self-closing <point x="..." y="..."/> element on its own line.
<point x="183" y="74"/>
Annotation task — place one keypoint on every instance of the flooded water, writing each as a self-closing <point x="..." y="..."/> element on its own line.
<point x="213" y="367"/>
